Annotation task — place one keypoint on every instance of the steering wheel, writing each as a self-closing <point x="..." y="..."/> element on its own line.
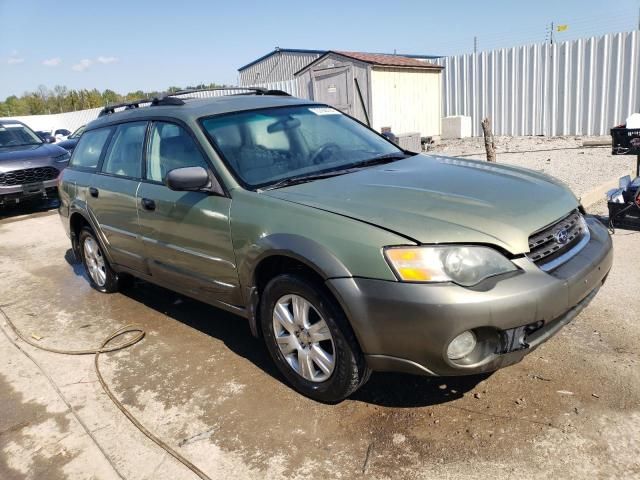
<point x="323" y="153"/>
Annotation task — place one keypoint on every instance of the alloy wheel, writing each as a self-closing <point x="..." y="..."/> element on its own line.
<point x="94" y="261"/>
<point x="303" y="337"/>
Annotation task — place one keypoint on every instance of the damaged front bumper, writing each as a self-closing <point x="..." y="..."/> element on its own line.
<point x="407" y="327"/>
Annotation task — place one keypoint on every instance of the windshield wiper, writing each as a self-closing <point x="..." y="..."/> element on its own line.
<point x="385" y="158"/>
<point x="303" y="179"/>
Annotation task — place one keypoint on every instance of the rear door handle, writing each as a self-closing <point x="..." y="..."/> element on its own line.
<point x="148" y="204"/>
<point x="93" y="192"/>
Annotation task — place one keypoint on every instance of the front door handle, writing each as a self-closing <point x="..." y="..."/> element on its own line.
<point x="93" y="191"/>
<point x="148" y="204"/>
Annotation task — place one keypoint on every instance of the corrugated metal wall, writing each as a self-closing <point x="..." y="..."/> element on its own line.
<point x="73" y="120"/>
<point x="276" y="68"/>
<point x="580" y="87"/>
<point x="69" y="120"/>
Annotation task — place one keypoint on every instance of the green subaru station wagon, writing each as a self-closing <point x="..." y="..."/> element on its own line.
<point x="345" y="253"/>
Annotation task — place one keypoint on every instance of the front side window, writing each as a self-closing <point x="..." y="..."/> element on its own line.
<point x="266" y="146"/>
<point x="171" y="147"/>
<point x="17" y="135"/>
<point x="124" y="157"/>
<point x="87" y="152"/>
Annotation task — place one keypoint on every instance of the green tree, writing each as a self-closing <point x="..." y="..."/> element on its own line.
<point x="60" y="99"/>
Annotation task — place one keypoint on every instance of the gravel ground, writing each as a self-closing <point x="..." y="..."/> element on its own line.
<point x="562" y="157"/>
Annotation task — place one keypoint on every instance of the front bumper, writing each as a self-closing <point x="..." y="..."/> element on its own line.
<point x="407" y="327"/>
<point x="17" y="193"/>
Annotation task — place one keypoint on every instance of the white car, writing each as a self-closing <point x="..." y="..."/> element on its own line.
<point x="60" y="134"/>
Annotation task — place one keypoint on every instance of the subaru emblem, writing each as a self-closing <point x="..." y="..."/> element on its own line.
<point x="561" y="236"/>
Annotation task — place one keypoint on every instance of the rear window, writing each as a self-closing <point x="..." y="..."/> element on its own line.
<point x="87" y="152"/>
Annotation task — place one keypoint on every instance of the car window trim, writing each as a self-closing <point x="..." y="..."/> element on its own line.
<point x="108" y="149"/>
<point x="102" y="152"/>
<point x="226" y="163"/>
<point x="180" y="123"/>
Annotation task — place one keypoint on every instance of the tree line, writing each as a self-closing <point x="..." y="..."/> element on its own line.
<point x="60" y="99"/>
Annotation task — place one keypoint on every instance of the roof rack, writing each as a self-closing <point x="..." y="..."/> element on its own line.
<point x="249" y="90"/>
<point x="170" y="98"/>
<point x="109" y="109"/>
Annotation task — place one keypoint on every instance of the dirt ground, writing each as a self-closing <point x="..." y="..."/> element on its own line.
<point x="204" y="385"/>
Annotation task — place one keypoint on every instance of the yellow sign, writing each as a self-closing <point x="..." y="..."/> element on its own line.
<point x="562" y="28"/>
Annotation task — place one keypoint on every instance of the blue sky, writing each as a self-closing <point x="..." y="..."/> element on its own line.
<point x="155" y="44"/>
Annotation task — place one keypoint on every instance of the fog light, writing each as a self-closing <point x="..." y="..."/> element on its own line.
<point x="462" y="345"/>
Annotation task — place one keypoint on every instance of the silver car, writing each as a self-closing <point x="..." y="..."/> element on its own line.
<point x="29" y="168"/>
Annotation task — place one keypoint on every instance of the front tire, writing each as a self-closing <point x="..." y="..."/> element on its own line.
<point x="310" y="340"/>
<point x="100" y="274"/>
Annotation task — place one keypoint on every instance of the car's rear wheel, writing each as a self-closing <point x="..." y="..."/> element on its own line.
<point x="101" y="275"/>
<point x="309" y="338"/>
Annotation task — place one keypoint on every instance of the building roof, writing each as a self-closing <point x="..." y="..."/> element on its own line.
<point x="381" y="59"/>
<point x="282" y="50"/>
<point x="323" y="52"/>
<point x="388" y="60"/>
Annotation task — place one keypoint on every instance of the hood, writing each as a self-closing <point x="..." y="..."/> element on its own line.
<point x="434" y="199"/>
<point x="29" y="156"/>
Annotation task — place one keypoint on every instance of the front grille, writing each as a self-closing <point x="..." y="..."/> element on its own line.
<point x="28" y="175"/>
<point x="553" y="241"/>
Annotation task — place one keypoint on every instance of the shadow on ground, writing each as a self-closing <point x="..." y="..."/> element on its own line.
<point x="384" y="389"/>
<point x="28" y="207"/>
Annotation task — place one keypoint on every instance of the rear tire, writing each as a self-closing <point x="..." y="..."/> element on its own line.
<point x="315" y="351"/>
<point x="100" y="274"/>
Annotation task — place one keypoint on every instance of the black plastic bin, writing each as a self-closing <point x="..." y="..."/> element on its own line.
<point x="626" y="141"/>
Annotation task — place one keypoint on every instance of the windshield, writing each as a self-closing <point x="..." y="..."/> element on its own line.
<point x="266" y="146"/>
<point x="16" y="135"/>
<point x="77" y="133"/>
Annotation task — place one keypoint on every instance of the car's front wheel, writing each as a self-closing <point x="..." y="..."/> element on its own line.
<point x="101" y="275"/>
<point x="309" y="338"/>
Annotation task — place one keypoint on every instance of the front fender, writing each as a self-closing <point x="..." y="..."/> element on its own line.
<point x="303" y="249"/>
<point x="306" y="251"/>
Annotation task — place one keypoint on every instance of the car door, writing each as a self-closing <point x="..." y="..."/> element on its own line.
<point x="113" y="196"/>
<point x="186" y="235"/>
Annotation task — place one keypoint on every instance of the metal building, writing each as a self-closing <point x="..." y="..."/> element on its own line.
<point x="378" y="89"/>
<point x="278" y="65"/>
<point x="281" y="64"/>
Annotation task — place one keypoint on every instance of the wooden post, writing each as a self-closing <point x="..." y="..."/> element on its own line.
<point x="489" y="144"/>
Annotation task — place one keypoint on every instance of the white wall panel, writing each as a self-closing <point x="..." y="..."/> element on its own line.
<point x="579" y="87"/>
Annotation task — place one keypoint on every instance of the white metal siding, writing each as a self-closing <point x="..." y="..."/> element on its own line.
<point x="275" y="68"/>
<point x="406" y="100"/>
<point x="579" y="87"/>
<point x="69" y="120"/>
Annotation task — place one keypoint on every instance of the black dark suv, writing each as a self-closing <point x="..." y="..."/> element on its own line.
<point x="29" y="168"/>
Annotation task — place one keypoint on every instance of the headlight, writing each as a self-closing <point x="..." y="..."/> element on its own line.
<point x="65" y="157"/>
<point x="464" y="265"/>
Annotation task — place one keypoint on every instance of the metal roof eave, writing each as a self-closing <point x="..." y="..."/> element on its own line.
<point x="280" y="50"/>
<point x="428" y="66"/>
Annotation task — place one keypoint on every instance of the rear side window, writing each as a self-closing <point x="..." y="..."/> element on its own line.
<point x="171" y="147"/>
<point x="124" y="157"/>
<point x="87" y="152"/>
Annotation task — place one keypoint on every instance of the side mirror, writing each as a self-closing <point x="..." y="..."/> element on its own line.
<point x="187" y="179"/>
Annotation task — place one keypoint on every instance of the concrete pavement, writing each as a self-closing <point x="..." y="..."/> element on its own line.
<point x="204" y="385"/>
